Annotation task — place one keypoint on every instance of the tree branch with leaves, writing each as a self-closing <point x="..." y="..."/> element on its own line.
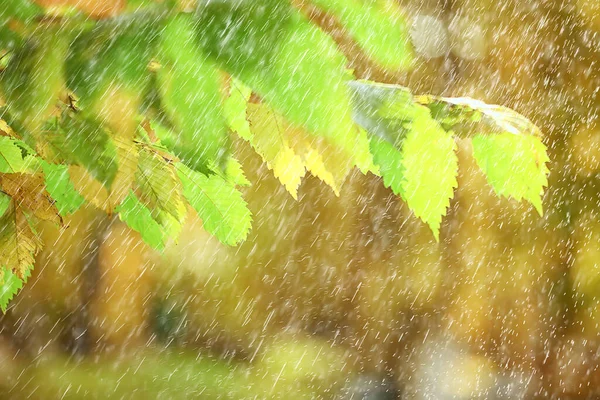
<point x="134" y="113"/>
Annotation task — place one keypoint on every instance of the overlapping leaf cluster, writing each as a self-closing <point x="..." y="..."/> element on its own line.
<point x="133" y="115"/>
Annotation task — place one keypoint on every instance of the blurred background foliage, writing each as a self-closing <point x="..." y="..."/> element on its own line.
<point x="350" y="296"/>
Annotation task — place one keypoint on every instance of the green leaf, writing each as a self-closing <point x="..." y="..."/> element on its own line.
<point x="270" y="140"/>
<point x="26" y="150"/>
<point x="306" y="82"/>
<point x="383" y="110"/>
<point x="24" y="10"/>
<point x="221" y="207"/>
<point x="303" y="77"/>
<point x="430" y="169"/>
<point x="189" y="85"/>
<point x="515" y="165"/>
<point x="33" y="78"/>
<point x="149" y="5"/>
<point x="61" y="189"/>
<point x="242" y="34"/>
<point x="160" y="190"/>
<point x="498" y="118"/>
<point x="4" y="203"/>
<point x="9" y="40"/>
<point x="389" y="160"/>
<point x="165" y="135"/>
<point x="139" y="218"/>
<point x="11" y="157"/>
<point x="112" y="51"/>
<point x="84" y="141"/>
<point x="415" y="155"/>
<point x="459" y="118"/>
<point x="378" y="28"/>
<point x="233" y="173"/>
<point x="30" y="161"/>
<point x="234" y="109"/>
<point x="10" y="284"/>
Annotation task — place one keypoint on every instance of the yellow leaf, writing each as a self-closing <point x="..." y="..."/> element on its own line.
<point x="322" y="159"/>
<point x="93" y="191"/>
<point x="18" y="243"/>
<point x="270" y="141"/>
<point x="29" y="193"/>
<point x="160" y="190"/>
<point x="289" y="150"/>
<point x="127" y="157"/>
<point x="5" y="129"/>
<point x="289" y="169"/>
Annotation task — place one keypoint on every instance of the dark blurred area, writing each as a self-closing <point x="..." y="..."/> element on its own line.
<point x="351" y="297"/>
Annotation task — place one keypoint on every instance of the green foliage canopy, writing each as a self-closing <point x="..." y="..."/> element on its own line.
<point x="134" y="114"/>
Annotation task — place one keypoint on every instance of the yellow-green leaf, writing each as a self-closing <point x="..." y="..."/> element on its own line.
<point x="139" y="218"/>
<point x="514" y="165"/>
<point x="377" y="26"/>
<point x="430" y="167"/>
<point x="160" y="191"/>
<point x="61" y="189"/>
<point x="11" y="157"/>
<point x="234" y="108"/>
<point x="10" y="284"/>
<point x="189" y="86"/>
<point x="223" y="211"/>
<point x="269" y="140"/>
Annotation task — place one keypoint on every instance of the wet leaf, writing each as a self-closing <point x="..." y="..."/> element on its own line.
<point x="321" y="158"/>
<point x="303" y="78"/>
<point x="382" y="110"/>
<point x="85" y="142"/>
<point x="234" y="108"/>
<point x="139" y="218"/>
<point x="113" y="52"/>
<point x="28" y="192"/>
<point x="415" y="155"/>
<point x="242" y="35"/>
<point x="378" y="27"/>
<point x="189" y="85"/>
<point x="128" y="159"/>
<point x="223" y="211"/>
<point x="514" y="165"/>
<point x="93" y="191"/>
<point x="269" y="139"/>
<point x="18" y="243"/>
<point x="430" y="167"/>
<point x="11" y="157"/>
<point x="10" y="284"/>
<point x="389" y="160"/>
<point x="61" y="189"/>
<point x="33" y="79"/>
<point x="4" y="203"/>
<point x="233" y="172"/>
<point x="160" y="191"/>
<point x="19" y="9"/>
<point x="502" y="118"/>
